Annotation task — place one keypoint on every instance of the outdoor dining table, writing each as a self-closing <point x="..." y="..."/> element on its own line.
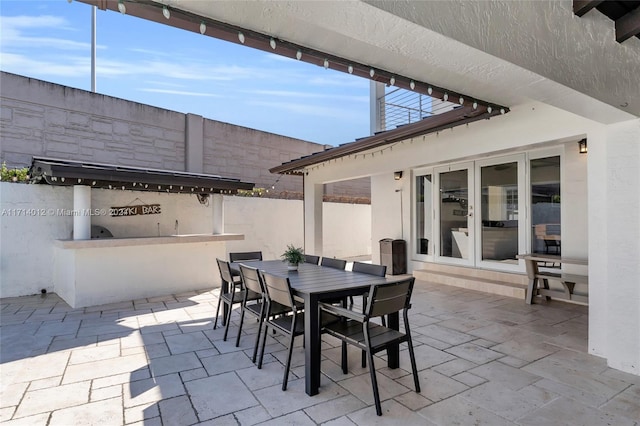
<point x="314" y="284"/>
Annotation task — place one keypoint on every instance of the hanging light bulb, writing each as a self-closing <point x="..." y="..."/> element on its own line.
<point x="203" y="28"/>
<point x="299" y="54"/>
<point x="121" y="7"/>
<point x="429" y="90"/>
<point x="489" y="109"/>
<point x="392" y="81"/>
<point x="166" y="12"/>
<point x="502" y="111"/>
<point x="350" y="69"/>
<point x="475" y="105"/>
<point x="272" y="43"/>
<point x="372" y="72"/>
<point x="412" y="84"/>
<point x="445" y="97"/>
<point x="461" y="100"/>
<point x="241" y="37"/>
<point x="326" y="63"/>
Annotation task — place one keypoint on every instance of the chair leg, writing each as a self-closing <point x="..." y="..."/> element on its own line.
<point x="374" y="383"/>
<point x="215" y="323"/>
<point x="264" y="341"/>
<point x="226" y="327"/>
<point x="414" y="368"/>
<point x="286" y="368"/>
<point x="240" y="327"/>
<point x="255" y="347"/>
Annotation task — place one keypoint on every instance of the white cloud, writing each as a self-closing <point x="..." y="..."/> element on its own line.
<point x="313" y="110"/>
<point x="24" y="65"/>
<point x="181" y="92"/>
<point x="309" y="95"/>
<point x="12" y="34"/>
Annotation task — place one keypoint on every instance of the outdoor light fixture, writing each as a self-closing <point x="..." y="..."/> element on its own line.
<point x="582" y="146"/>
<point x="121" y="7"/>
<point x="165" y="12"/>
<point x="397" y="175"/>
<point x="412" y="84"/>
<point x="326" y="64"/>
<point x="350" y="69"/>
<point x="372" y="72"/>
<point x="272" y="43"/>
<point x="392" y="82"/>
<point x="475" y="105"/>
<point x="241" y="37"/>
<point x="203" y="28"/>
<point x="299" y="54"/>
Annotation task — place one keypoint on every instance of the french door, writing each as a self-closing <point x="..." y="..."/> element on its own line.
<point x="473" y="213"/>
<point x="454" y="214"/>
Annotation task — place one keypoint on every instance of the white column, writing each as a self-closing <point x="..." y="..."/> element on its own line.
<point x="81" y="208"/>
<point x="614" y="246"/>
<point x="313" y="194"/>
<point x="218" y="213"/>
<point x="376" y="94"/>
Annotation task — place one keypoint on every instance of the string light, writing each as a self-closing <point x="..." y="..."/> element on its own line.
<point x="121" y="7"/>
<point x="166" y="12"/>
<point x="430" y="90"/>
<point x="326" y="64"/>
<point x="203" y="28"/>
<point x="241" y="37"/>
<point x="350" y="69"/>
<point x="299" y="55"/>
<point x="412" y="84"/>
<point x="272" y="43"/>
<point x="392" y="81"/>
<point x="445" y="97"/>
<point x="372" y="72"/>
<point x="461" y="100"/>
<point x="475" y="105"/>
<point x="489" y="109"/>
<point x="502" y="111"/>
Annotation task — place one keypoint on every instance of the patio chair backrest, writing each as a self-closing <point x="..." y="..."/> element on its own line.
<point x="333" y="263"/>
<point x="310" y="258"/>
<point x="251" y="279"/>
<point x="278" y="289"/>
<point x="389" y="298"/>
<point x="225" y="271"/>
<point x="370" y="268"/>
<point x="247" y="255"/>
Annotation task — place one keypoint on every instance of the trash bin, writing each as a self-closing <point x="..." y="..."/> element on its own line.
<point x="393" y="254"/>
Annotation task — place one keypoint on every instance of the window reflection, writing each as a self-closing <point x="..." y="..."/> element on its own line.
<point x="545" y="205"/>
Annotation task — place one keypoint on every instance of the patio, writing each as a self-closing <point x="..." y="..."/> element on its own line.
<point x="483" y="359"/>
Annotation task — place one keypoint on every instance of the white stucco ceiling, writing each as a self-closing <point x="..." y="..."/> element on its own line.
<point x="501" y="51"/>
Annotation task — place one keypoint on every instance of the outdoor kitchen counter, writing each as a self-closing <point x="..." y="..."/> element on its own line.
<point x="145" y="241"/>
<point x="118" y="270"/>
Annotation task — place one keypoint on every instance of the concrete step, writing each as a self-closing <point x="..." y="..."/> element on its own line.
<point x="494" y="282"/>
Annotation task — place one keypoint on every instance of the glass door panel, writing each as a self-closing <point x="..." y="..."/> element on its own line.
<point x="455" y="215"/>
<point x="545" y="205"/>
<point x="499" y="212"/>
<point x="424" y="215"/>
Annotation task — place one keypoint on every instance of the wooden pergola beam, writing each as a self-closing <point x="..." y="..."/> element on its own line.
<point x="580" y="7"/>
<point x="628" y="25"/>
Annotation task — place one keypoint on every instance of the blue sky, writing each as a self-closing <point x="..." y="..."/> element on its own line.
<point x="174" y="69"/>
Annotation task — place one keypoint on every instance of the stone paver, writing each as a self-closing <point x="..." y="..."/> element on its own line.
<point x="482" y="359"/>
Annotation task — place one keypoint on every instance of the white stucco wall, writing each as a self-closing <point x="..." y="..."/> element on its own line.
<point x="26" y="241"/>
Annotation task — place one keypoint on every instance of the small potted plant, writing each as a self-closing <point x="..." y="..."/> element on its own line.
<point x="293" y="255"/>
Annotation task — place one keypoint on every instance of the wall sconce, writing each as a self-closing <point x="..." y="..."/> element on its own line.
<point x="397" y="175"/>
<point x="582" y="146"/>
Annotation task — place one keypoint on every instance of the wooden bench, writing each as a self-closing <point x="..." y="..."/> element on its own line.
<point x="568" y="281"/>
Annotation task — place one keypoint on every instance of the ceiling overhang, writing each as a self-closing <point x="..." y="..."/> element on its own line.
<point x="152" y="10"/>
<point x="61" y="172"/>
<point x="456" y="117"/>
<point x="625" y="14"/>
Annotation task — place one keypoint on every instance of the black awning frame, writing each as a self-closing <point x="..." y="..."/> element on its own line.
<point x="60" y="172"/>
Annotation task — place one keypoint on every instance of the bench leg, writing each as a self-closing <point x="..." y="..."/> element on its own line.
<point x="545" y="284"/>
<point x="533" y="287"/>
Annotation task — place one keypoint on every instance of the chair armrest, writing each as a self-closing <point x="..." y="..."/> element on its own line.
<point x="343" y="312"/>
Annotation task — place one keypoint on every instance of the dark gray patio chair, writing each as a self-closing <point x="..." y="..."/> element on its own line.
<point x="333" y="263"/>
<point x="278" y="292"/>
<point x="357" y="328"/>
<point x="310" y="258"/>
<point x="252" y="281"/>
<point x="246" y="255"/>
<point x="234" y="294"/>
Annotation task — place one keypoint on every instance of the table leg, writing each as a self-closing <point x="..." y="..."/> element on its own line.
<point x="311" y="345"/>
<point x="393" y="352"/>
